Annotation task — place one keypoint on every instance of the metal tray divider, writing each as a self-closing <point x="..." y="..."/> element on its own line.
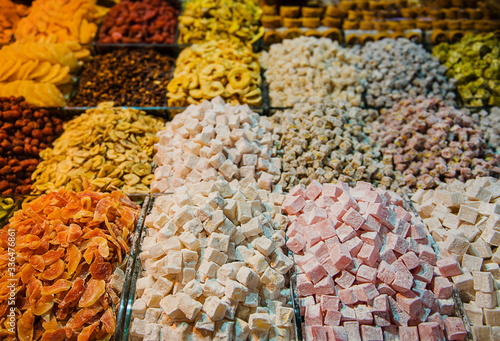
<point x="130" y="262"/>
<point x="133" y="275"/>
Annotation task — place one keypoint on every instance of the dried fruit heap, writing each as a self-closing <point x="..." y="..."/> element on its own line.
<point x="111" y="147"/>
<point x="24" y="132"/>
<point x="145" y="21"/>
<point x="67" y="246"/>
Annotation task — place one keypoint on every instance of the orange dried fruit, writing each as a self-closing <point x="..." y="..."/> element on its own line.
<point x="75" y="232"/>
<point x="86" y="332"/>
<point x="54" y="335"/>
<point x="54" y="271"/>
<point x="51" y="325"/>
<point x="94" y="289"/>
<point x="37" y="262"/>
<point x="73" y="258"/>
<point x="52" y="256"/>
<point x="100" y="269"/>
<point x="74" y="294"/>
<point x="82" y="316"/>
<point x="65" y="261"/>
<point x="108" y="321"/>
<point x="25" y="326"/>
<point x="43" y="305"/>
<point x="27" y="271"/>
<point x="60" y="285"/>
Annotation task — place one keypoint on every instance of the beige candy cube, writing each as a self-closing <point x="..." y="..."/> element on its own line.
<point x="486" y="299"/>
<point x="467" y="214"/>
<point x="214" y="308"/>
<point x="474" y="313"/>
<point x="483" y="281"/>
<point x="152" y="298"/>
<point x="189" y="240"/>
<point x="492" y="316"/>
<point x="480" y="248"/>
<point x="189" y="306"/>
<point x="163" y="285"/>
<point x="235" y="291"/>
<point x="472" y="263"/>
<point x="139" y="308"/>
<point x="491" y="236"/>
<point x="213" y="255"/>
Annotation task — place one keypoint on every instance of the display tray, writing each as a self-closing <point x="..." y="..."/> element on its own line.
<point x="140" y="199"/>
<point x="137" y="270"/>
<point x="164" y="111"/>
<point x="459" y="310"/>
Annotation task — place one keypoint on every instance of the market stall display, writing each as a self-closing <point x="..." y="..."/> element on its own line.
<point x="366" y="267"/>
<point x="25" y="131"/>
<point x="126" y="77"/>
<point x="42" y="72"/>
<point x="217" y="68"/>
<point x="68" y="248"/>
<point x="430" y="143"/>
<point x="397" y="69"/>
<point x="236" y="20"/>
<point x="463" y="219"/>
<point x="135" y="22"/>
<point x="328" y="142"/>
<point x="311" y="70"/>
<point x="213" y="266"/>
<point x="259" y="227"/>
<point x="109" y="147"/>
<point x="10" y="14"/>
<point x="68" y="20"/>
<point x="475" y="64"/>
<point x="215" y="140"/>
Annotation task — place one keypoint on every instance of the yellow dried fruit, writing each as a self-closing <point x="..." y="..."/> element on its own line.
<point x="92" y="147"/>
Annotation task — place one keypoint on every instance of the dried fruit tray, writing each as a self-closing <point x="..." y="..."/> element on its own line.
<point x="140" y="199"/>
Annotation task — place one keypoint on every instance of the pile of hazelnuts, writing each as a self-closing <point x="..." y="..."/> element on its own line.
<point x="24" y="132"/>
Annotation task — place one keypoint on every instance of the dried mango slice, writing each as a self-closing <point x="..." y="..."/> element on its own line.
<point x="60" y="285"/>
<point x="99" y="269"/>
<point x="25" y="326"/>
<point x="74" y="257"/>
<point x="74" y="294"/>
<point x="78" y="320"/>
<point x="54" y="335"/>
<point x="93" y="291"/>
<point x="54" y="271"/>
<point x="86" y="332"/>
<point x="108" y="320"/>
<point x="72" y="301"/>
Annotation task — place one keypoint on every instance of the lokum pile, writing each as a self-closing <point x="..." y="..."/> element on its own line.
<point x="490" y="126"/>
<point x="400" y="69"/>
<point x="367" y="268"/>
<point x="464" y="219"/>
<point x="311" y="70"/>
<point x="474" y="63"/>
<point x="430" y="143"/>
<point x="215" y="140"/>
<point x="328" y="142"/>
<point x="214" y="266"/>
